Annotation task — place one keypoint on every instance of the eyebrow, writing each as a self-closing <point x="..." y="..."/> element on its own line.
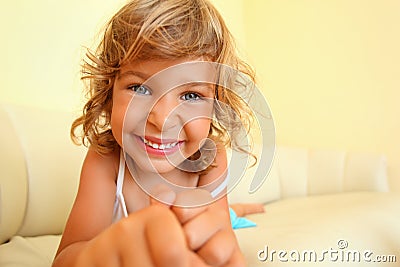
<point x="200" y="84"/>
<point x="138" y="74"/>
<point x="205" y="87"/>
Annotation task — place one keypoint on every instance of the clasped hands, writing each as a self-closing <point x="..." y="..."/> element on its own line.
<point x="163" y="235"/>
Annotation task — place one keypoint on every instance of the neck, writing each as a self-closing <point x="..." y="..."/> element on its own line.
<point x="176" y="179"/>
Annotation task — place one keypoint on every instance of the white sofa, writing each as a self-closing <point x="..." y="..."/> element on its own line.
<point x="316" y="201"/>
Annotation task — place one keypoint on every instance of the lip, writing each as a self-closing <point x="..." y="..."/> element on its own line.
<point x="158" y="152"/>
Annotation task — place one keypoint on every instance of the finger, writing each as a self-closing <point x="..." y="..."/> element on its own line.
<point x="193" y="198"/>
<point x="236" y="260"/>
<point x="190" y="203"/>
<point x="196" y="261"/>
<point x="122" y="244"/>
<point x="166" y="240"/>
<point x="186" y="214"/>
<point x="134" y="247"/>
<point x="200" y="229"/>
<point x="218" y="250"/>
<point x="89" y="257"/>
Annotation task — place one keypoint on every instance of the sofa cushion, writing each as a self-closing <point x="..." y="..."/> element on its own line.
<point x="293" y="171"/>
<point x="363" y="220"/>
<point x="52" y="163"/>
<point x="268" y="191"/>
<point x="329" y="165"/>
<point x="13" y="179"/>
<point x="299" y="172"/>
<point x="366" y="172"/>
<point x="29" y="251"/>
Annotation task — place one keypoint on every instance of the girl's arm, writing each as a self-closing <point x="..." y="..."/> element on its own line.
<point x="243" y="209"/>
<point x="93" y="206"/>
<point x="143" y="239"/>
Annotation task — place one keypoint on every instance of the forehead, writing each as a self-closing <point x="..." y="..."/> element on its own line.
<point x="149" y="67"/>
<point x="171" y="73"/>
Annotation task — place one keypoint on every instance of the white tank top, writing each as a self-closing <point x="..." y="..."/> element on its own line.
<point x="120" y="210"/>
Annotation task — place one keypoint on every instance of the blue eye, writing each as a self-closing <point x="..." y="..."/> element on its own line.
<point x="140" y="89"/>
<point x="191" y="96"/>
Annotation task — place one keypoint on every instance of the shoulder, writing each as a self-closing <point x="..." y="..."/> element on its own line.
<point x="94" y="202"/>
<point x="98" y="178"/>
<point x="96" y="164"/>
<point x="98" y="174"/>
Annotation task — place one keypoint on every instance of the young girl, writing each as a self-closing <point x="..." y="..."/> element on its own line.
<point x="130" y="125"/>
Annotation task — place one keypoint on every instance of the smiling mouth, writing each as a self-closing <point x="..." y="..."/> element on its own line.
<point x="159" y="146"/>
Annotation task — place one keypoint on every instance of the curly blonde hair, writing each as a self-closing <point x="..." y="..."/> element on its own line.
<point x="159" y="29"/>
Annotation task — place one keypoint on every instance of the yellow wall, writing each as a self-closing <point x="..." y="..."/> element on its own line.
<point x="232" y="12"/>
<point x="42" y="46"/>
<point x="330" y="71"/>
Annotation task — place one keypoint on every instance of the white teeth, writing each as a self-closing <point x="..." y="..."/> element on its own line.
<point x="159" y="146"/>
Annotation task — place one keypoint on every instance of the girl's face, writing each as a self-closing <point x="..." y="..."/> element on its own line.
<point x="162" y="111"/>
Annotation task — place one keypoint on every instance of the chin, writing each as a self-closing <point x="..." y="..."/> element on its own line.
<point x="154" y="165"/>
<point x="159" y="168"/>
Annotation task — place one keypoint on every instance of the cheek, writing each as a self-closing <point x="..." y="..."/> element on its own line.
<point x="197" y="130"/>
<point x="121" y="101"/>
<point x="116" y="125"/>
<point x="117" y="119"/>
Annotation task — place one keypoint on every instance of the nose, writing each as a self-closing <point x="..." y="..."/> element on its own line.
<point x="163" y="115"/>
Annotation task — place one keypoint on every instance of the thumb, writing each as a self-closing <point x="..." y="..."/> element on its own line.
<point x="190" y="203"/>
<point x="162" y="195"/>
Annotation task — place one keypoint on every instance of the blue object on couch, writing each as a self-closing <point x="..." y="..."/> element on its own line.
<point x="239" y="222"/>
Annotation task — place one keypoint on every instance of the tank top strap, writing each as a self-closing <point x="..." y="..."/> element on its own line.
<point x="121" y="173"/>
<point x="221" y="187"/>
